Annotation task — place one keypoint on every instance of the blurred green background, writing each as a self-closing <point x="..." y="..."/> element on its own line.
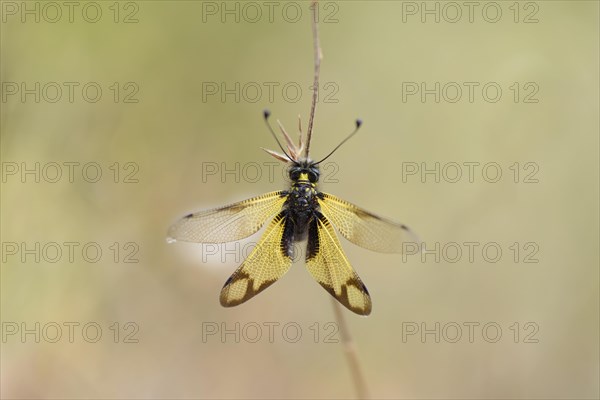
<point x="175" y="131"/>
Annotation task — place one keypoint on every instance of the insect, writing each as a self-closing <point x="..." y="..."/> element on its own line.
<point x="299" y="214"/>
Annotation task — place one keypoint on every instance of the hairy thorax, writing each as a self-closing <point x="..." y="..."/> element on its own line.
<point x="301" y="205"/>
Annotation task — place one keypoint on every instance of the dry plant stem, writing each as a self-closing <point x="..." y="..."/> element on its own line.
<point x="350" y="350"/>
<point x="318" y="58"/>
<point x="347" y="343"/>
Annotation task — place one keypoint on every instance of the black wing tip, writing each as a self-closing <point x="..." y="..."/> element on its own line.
<point x="227" y="282"/>
<point x="365" y="289"/>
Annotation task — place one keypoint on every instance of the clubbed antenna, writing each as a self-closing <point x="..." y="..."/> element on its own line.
<point x="267" y="114"/>
<point x="358" y="124"/>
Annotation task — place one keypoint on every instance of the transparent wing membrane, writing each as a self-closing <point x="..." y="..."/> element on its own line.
<point x="230" y="223"/>
<point x="364" y="228"/>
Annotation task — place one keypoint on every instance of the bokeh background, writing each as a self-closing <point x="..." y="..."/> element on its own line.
<point x="176" y="130"/>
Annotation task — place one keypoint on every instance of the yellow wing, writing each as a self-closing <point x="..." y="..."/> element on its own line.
<point x="268" y="261"/>
<point x="364" y="228"/>
<point x="230" y="223"/>
<point x="329" y="266"/>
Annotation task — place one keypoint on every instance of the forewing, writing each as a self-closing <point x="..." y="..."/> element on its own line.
<point x="268" y="261"/>
<point x="230" y="223"/>
<point x="329" y="266"/>
<point x="364" y="228"/>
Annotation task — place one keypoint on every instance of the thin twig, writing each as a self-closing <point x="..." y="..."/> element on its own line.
<point x="350" y="350"/>
<point x="349" y="347"/>
<point x="318" y="58"/>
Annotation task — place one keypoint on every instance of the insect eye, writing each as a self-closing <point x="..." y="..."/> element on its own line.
<point x="312" y="176"/>
<point x="294" y="174"/>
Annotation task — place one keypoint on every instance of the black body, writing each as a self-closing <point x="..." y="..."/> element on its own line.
<point x="301" y="208"/>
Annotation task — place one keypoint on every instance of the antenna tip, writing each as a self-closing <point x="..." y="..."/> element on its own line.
<point x="358" y="123"/>
<point x="266" y="113"/>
